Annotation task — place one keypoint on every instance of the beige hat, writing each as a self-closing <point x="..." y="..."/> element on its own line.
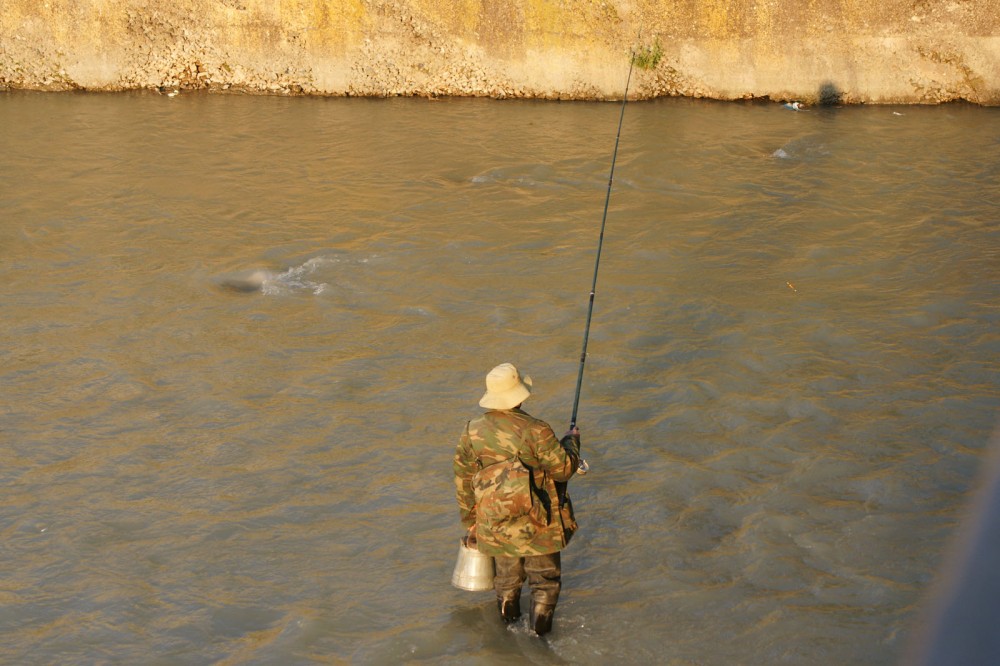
<point x="505" y="389"/>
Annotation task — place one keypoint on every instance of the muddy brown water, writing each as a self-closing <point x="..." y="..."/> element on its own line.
<point x="792" y="379"/>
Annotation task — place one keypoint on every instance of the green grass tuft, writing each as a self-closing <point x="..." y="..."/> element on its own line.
<point x="648" y="57"/>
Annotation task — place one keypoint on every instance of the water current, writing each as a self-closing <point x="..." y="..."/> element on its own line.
<point x="791" y="385"/>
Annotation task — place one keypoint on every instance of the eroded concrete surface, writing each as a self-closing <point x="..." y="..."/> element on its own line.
<point x="847" y="51"/>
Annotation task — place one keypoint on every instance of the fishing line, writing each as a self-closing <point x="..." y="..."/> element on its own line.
<point x="597" y="261"/>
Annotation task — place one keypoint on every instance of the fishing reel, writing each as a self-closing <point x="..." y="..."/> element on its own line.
<point x="583" y="466"/>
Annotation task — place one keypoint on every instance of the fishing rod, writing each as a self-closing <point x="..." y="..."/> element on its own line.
<point x="597" y="263"/>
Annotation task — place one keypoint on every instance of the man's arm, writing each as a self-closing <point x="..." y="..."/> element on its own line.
<point x="465" y="467"/>
<point x="560" y="458"/>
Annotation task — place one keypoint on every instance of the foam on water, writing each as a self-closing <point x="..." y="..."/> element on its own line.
<point x="296" y="278"/>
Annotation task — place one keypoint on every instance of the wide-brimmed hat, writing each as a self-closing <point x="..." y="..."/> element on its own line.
<point x="505" y="388"/>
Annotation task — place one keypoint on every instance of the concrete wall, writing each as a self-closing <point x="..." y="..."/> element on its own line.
<point x="871" y="51"/>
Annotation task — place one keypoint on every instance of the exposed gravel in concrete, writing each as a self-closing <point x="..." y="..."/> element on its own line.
<point x="892" y="51"/>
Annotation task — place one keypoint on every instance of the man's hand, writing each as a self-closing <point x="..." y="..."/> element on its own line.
<point x="470" y="538"/>
<point x="573" y="432"/>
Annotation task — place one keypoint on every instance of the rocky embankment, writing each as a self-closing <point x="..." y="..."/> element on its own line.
<point x="887" y="51"/>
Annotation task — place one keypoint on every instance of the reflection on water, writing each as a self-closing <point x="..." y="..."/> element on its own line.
<point x="792" y="373"/>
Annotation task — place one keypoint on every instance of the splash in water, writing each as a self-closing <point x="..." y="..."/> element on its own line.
<point x="272" y="283"/>
<point x="296" y="278"/>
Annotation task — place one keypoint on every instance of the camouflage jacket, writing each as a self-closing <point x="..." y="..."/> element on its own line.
<point x="510" y="482"/>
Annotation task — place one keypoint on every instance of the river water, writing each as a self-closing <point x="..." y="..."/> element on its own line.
<point x="791" y="384"/>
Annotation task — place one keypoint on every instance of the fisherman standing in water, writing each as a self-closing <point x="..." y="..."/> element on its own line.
<point x="510" y="479"/>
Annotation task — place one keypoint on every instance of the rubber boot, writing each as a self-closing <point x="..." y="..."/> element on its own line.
<point x="541" y="618"/>
<point x="510" y="608"/>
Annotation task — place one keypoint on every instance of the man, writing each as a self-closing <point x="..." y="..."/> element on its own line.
<point x="510" y="479"/>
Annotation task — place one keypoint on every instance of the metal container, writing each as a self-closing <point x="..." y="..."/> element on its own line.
<point x="474" y="571"/>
